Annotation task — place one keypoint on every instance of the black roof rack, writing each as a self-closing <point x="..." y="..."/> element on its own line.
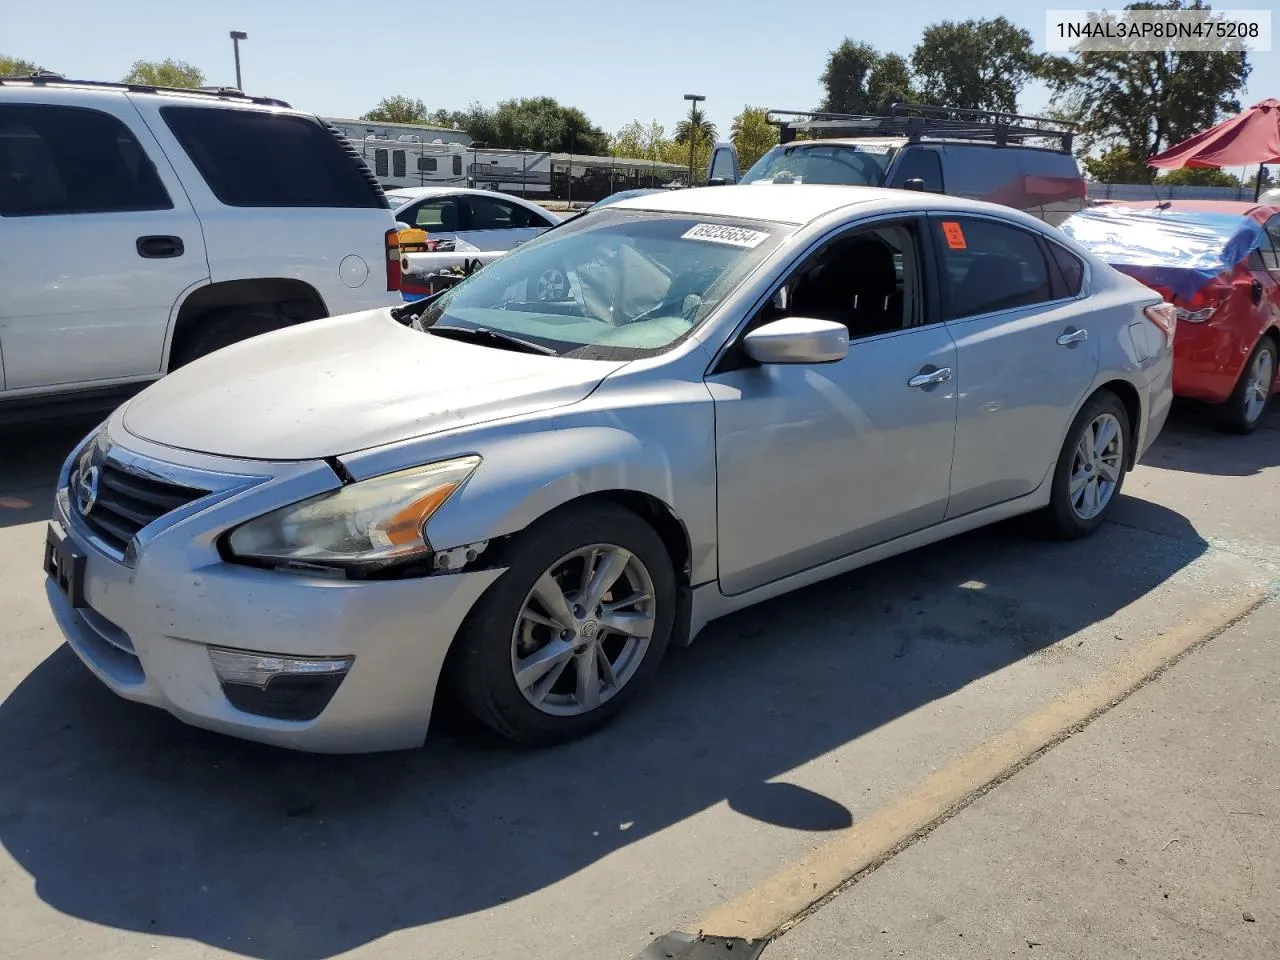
<point x="918" y="121"/>
<point x="44" y="77"/>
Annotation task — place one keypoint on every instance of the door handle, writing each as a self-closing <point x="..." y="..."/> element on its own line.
<point x="931" y="378"/>
<point x="1073" y="337"/>
<point x="157" y="248"/>
<point x="1255" y="292"/>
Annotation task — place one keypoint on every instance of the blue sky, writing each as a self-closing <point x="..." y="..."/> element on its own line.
<point x="618" y="61"/>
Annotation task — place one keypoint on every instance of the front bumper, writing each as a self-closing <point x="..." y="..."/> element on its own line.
<point x="149" y="620"/>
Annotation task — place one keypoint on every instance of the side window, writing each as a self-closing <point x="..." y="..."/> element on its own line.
<point x="397" y="163"/>
<point x="984" y="173"/>
<point x="457" y="166"/>
<point x="59" y="160"/>
<point x="427" y="165"/>
<point x="990" y="266"/>
<point x="380" y="167"/>
<point x="1271" y="251"/>
<point x="868" y="279"/>
<point x="437" y="215"/>
<point x="1070" y="267"/>
<point x="256" y="158"/>
<point x="722" y="165"/>
<point x="491" y="214"/>
<point x="919" y="163"/>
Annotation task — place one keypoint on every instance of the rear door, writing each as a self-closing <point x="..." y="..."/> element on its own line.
<point x="1266" y="273"/>
<point x="1026" y="355"/>
<point x="495" y="223"/>
<point x="98" y="241"/>
<point x="280" y="194"/>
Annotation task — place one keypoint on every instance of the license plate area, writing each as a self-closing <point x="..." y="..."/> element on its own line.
<point x="64" y="563"/>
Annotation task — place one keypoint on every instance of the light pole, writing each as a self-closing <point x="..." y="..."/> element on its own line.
<point x="236" y="37"/>
<point x="694" y="99"/>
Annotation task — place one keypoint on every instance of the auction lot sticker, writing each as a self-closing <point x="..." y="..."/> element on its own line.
<point x="719" y="233"/>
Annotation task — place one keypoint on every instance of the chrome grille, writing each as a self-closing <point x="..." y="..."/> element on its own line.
<point x="125" y="501"/>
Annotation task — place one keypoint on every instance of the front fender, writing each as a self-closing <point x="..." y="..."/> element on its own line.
<point x="525" y="477"/>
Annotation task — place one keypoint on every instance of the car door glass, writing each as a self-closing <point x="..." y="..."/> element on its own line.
<point x="868" y="280"/>
<point x="984" y="173"/>
<point x="1070" y="267"/>
<point x="990" y="266"/>
<point x="60" y="160"/>
<point x="488" y="213"/>
<point x="919" y="163"/>
<point x="1271" y="245"/>
<point x="437" y="216"/>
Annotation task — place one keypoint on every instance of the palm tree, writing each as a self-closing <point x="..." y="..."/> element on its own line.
<point x="696" y="126"/>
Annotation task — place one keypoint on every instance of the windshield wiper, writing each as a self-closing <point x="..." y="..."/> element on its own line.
<point x="496" y="337"/>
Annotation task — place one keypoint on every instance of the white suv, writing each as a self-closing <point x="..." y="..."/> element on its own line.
<point x="142" y="227"/>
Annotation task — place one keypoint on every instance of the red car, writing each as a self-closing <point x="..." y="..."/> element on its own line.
<point x="1219" y="264"/>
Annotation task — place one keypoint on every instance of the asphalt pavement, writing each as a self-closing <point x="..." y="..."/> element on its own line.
<point x="125" y="833"/>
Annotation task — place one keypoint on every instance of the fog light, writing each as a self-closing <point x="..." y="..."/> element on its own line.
<point x="277" y="686"/>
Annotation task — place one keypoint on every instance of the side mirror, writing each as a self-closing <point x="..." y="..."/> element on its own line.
<point x="717" y="182"/>
<point x="797" y="340"/>
<point x="915" y="183"/>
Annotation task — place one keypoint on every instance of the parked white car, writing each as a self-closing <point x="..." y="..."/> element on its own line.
<point x="143" y="228"/>
<point x="742" y="392"/>
<point x="480" y="219"/>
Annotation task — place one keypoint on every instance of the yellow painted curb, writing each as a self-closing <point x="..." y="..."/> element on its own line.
<point x="777" y="904"/>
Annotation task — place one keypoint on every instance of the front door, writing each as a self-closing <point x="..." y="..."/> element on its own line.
<point x="493" y="223"/>
<point x="815" y="462"/>
<point x="99" y="243"/>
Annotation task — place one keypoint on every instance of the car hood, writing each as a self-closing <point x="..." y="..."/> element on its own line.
<point x="335" y="386"/>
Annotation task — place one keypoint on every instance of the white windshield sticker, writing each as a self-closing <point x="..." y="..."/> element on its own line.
<point x="716" y="233"/>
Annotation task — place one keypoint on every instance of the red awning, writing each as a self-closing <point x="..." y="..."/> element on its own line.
<point x="1246" y="139"/>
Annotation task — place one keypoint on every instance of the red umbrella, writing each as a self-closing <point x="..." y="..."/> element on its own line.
<point x="1247" y="138"/>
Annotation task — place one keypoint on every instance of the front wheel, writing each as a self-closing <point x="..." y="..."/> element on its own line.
<point x="1091" y="468"/>
<point x="572" y="631"/>
<point x="1248" y="402"/>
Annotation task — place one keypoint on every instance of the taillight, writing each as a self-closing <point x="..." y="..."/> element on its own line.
<point x="1204" y="304"/>
<point x="392" y="240"/>
<point x="1164" y="316"/>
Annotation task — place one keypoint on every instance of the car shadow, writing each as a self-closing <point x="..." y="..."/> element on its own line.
<point x="126" y="818"/>
<point x="33" y="455"/>
<point x="1192" y="443"/>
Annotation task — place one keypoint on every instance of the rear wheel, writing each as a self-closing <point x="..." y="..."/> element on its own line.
<point x="225" y="327"/>
<point x="572" y="631"/>
<point x="1091" y="468"/>
<point x="1248" y="402"/>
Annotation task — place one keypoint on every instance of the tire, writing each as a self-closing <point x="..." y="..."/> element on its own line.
<point x="497" y="636"/>
<point x="1245" y="407"/>
<point x="223" y="328"/>
<point x="1071" y="514"/>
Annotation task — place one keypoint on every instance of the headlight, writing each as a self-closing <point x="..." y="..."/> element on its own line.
<point x="368" y="524"/>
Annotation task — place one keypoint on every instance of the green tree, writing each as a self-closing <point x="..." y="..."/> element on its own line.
<point x="976" y="64"/>
<point x="1202" y="177"/>
<point x="398" y="110"/>
<point x="696" y="126"/>
<point x="1117" y="165"/>
<point x="16" y="67"/>
<point x="889" y="81"/>
<point x="1146" y="101"/>
<point x="542" y="123"/>
<point x="628" y="141"/>
<point x="845" y="79"/>
<point x="165" y="73"/>
<point x="752" y="135"/>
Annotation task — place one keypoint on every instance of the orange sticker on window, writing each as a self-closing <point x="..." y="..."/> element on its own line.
<point x="955" y="236"/>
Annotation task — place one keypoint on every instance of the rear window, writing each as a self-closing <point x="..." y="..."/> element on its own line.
<point x="257" y="159"/>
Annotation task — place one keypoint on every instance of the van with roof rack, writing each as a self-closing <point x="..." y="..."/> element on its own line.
<point x="1018" y="161"/>
<point x="143" y="227"/>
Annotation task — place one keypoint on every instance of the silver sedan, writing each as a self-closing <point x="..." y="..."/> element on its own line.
<point x="738" y="391"/>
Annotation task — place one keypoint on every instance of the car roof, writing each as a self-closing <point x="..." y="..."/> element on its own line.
<point x="418" y="193"/>
<point x="801" y="203"/>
